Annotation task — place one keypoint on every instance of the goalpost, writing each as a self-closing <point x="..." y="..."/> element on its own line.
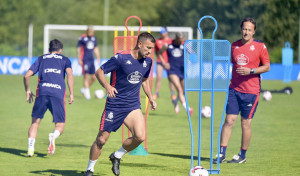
<point x="69" y="34"/>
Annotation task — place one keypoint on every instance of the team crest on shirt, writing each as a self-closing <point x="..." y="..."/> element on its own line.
<point x="128" y="62"/>
<point x="134" y="77"/>
<point x="85" y="38"/>
<point x="144" y="64"/>
<point x="110" y="116"/>
<point x="242" y="59"/>
<point x="252" y="48"/>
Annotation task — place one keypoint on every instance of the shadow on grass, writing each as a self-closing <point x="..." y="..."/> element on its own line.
<point x="74" y="145"/>
<point x="180" y="156"/>
<point x="53" y="172"/>
<point x="22" y="153"/>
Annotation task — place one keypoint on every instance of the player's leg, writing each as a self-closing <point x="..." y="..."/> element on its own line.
<point x="159" y="72"/>
<point x="246" y="136"/>
<point x="38" y="111"/>
<point x="96" y="150"/>
<point x="92" y="77"/>
<point x="173" y="96"/>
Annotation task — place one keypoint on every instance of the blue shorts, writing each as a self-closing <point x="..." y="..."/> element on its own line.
<point x="242" y="102"/>
<point x="54" y="104"/>
<point x="88" y="67"/>
<point x="111" y="120"/>
<point x="178" y="71"/>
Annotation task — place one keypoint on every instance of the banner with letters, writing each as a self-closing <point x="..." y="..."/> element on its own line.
<point x="18" y="65"/>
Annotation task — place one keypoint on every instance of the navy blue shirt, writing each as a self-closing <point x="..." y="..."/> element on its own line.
<point x="127" y="76"/>
<point x="52" y="69"/>
<point x="176" y="57"/>
<point x="87" y="45"/>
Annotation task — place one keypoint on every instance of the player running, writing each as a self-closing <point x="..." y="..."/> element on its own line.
<point x="86" y="47"/>
<point x="50" y="93"/>
<point x="250" y="58"/>
<point x="176" y="67"/>
<point x="162" y="60"/>
<point x="129" y="71"/>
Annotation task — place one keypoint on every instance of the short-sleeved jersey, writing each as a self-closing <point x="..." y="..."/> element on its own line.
<point x="176" y="56"/>
<point x="250" y="55"/>
<point x="52" y="69"/>
<point x="87" y="45"/>
<point x="159" y="44"/>
<point x="127" y="76"/>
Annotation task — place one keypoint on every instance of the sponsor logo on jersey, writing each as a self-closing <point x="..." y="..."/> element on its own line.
<point x="52" y="56"/>
<point x="252" y="48"/>
<point x="177" y="52"/>
<point x="144" y="64"/>
<point x="90" y="45"/>
<point x="134" y="77"/>
<point x="110" y="116"/>
<point x="242" y="59"/>
<point x="52" y="70"/>
<point x="56" y="86"/>
<point x="128" y="62"/>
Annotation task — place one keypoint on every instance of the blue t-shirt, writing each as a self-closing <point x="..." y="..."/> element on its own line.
<point x="176" y="57"/>
<point x="52" y="69"/>
<point x="127" y="76"/>
<point x="87" y="45"/>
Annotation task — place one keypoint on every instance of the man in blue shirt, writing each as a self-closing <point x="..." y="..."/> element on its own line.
<point x="129" y="71"/>
<point x="50" y="93"/>
<point x="86" y="47"/>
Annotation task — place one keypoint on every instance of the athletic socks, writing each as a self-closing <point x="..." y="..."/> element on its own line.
<point x="223" y="150"/>
<point x="91" y="165"/>
<point x="56" y="134"/>
<point x="184" y="105"/>
<point x="87" y="93"/>
<point x="243" y="153"/>
<point x="31" y="142"/>
<point x="118" y="154"/>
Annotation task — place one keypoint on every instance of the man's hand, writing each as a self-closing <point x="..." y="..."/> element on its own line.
<point x="153" y="105"/>
<point x="110" y="91"/>
<point x="243" y="71"/>
<point x="167" y="66"/>
<point x="71" y="100"/>
<point x="80" y="62"/>
<point x="29" y="96"/>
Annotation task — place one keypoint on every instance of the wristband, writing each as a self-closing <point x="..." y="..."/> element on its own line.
<point x="252" y="71"/>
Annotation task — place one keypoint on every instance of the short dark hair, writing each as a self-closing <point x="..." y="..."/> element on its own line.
<point x="145" y="36"/>
<point x="248" y="19"/>
<point x="55" y="45"/>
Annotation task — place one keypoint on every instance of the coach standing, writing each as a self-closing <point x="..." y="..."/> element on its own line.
<point x="250" y="58"/>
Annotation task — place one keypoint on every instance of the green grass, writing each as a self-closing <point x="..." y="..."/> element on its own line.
<point x="274" y="149"/>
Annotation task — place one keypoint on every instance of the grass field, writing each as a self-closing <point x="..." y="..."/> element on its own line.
<point x="274" y="148"/>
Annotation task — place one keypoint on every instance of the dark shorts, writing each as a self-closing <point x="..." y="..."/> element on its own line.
<point x="111" y="120"/>
<point x="178" y="71"/>
<point x="54" y="104"/>
<point x="242" y="102"/>
<point x="88" y="67"/>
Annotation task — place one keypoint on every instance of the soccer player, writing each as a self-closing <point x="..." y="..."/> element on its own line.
<point x="250" y="58"/>
<point x="162" y="60"/>
<point x="176" y="66"/>
<point x="50" y="93"/>
<point x="129" y="71"/>
<point x="86" y="47"/>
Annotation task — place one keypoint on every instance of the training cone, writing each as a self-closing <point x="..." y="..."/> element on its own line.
<point x="140" y="150"/>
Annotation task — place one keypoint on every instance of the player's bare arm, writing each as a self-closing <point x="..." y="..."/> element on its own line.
<point x="70" y="81"/>
<point x="159" y="54"/>
<point x="79" y="55"/>
<point x="147" y="90"/>
<point x="97" y="53"/>
<point x="110" y="91"/>
<point x="247" y="71"/>
<point x="29" y="94"/>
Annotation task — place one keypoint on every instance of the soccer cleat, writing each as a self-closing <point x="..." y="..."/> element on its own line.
<point x="51" y="148"/>
<point x="191" y="111"/>
<point x="237" y="159"/>
<point x="221" y="159"/>
<point x="88" y="173"/>
<point x="176" y="109"/>
<point x="30" y="152"/>
<point x="116" y="163"/>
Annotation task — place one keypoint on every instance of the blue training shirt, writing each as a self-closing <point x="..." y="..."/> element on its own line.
<point x="52" y="69"/>
<point x="87" y="45"/>
<point x="127" y="76"/>
<point x="176" y="57"/>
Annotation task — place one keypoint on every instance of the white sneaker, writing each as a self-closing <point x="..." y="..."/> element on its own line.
<point x="177" y="109"/>
<point x="87" y="94"/>
<point x="82" y="90"/>
<point x="51" y="148"/>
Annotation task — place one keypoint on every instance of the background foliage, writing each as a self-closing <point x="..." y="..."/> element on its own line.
<point x="277" y="20"/>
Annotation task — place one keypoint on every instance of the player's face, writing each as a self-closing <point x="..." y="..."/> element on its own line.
<point x="90" y="32"/>
<point x="248" y="31"/>
<point x="146" y="48"/>
<point x="164" y="35"/>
